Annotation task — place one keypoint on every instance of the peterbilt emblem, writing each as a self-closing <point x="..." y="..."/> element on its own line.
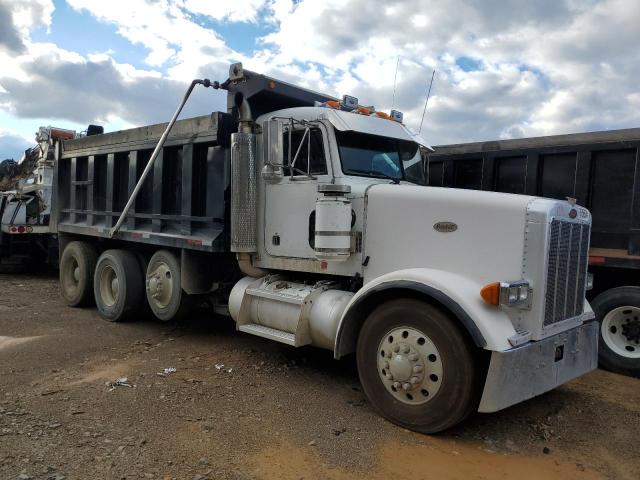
<point x="445" y="227"/>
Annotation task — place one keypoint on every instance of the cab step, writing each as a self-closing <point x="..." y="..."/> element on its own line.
<point x="268" y="332"/>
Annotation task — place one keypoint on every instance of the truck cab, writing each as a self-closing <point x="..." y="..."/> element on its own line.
<point x="339" y="192"/>
<point x="325" y="147"/>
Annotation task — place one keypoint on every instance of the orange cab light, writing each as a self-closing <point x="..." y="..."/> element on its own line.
<point x="364" y="110"/>
<point x="491" y="293"/>
<point x="383" y="115"/>
<point x="332" y="104"/>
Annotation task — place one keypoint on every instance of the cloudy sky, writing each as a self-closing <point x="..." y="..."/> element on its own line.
<point x="503" y="68"/>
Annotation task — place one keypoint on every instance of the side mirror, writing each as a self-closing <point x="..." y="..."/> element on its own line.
<point x="274" y="150"/>
<point x="272" y="169"/>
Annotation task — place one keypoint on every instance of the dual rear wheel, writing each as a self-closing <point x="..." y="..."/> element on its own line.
<point x="122" y="283"/>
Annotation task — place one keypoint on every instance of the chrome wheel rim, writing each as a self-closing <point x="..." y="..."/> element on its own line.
<point x="409" y="365"/>
<point x="160" y="285"/>
<point x="620" y="331"/>
<point x="109" y="286"/>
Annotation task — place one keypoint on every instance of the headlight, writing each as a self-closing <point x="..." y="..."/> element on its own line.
<point x="515" y="294"/>
<point x="510" y="294"/>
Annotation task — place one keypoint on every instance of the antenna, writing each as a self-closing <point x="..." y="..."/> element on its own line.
<point x="426" y="101"/>
<point x="393" y="102"/>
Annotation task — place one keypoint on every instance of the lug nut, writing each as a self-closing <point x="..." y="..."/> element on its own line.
<point x="417" y="368"/>
<point x="396" y="385"/>
<point x="406" y="386"/>
<point x="414" y="357"/>
<point x="386" y="364"/>
<point x="389" y="376"/>
<point x="414" y="380"/>
<point x="396" y="348"/>
<point x="406" y="349"/>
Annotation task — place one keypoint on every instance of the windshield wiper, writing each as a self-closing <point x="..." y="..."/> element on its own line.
<point x="375" y="175"/>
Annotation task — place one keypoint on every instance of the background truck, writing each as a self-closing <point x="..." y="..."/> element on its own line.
<point x="601" y="171"/>
<point x="305" y="218"/>
<point x="25" y="203"/>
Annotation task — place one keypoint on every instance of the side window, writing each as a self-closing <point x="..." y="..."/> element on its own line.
<point x="312" y="151"/>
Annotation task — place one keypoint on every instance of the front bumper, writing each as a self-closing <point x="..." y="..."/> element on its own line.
<point x="526" y="371"/>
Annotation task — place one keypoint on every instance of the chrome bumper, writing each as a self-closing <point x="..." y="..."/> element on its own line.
<point x="526" y="371"/>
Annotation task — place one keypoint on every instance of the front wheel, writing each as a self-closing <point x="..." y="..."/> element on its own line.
<point x="618" y="311"/>
<point x="417" y="368"/>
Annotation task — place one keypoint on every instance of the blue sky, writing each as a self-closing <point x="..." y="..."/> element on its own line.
<point x="80" y="32"/>
<point x="503" y="69"/>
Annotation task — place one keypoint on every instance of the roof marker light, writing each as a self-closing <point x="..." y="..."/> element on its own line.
<point x="396" y="115"/>
<point x="349" y="102"/>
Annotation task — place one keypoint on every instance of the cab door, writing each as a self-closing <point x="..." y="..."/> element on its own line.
<point x="290" y="200"/>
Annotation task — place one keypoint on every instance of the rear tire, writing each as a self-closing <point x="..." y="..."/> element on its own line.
<point x="618" y="312"/>
<point x="163" y="287"/>
<point x="417" y="369"/>
<point x="118" y="285"/>
<point x="77" y="264"/>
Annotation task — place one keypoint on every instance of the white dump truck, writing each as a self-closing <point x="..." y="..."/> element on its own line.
<point x="305" y="218"/>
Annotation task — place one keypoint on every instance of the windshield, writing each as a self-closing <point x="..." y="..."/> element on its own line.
<point x="367" y="155"/>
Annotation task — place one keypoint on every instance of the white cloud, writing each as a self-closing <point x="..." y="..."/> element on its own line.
<point x="533" y="68"/>
<point x="173" y="39"/>
<point x="17" y="17"/>
<point x="544" y="67"/>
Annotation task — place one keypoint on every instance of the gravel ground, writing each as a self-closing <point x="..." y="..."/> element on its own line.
<point x="240" y="407"/>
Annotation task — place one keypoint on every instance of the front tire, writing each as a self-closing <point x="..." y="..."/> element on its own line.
<point x="118" y="285"/>
<point x="618" y="311"/>
<point x="417" y="369"/>
<point x="77" y="264"/>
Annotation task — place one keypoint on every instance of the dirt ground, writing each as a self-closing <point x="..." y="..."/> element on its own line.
<point x="240" y="407"/>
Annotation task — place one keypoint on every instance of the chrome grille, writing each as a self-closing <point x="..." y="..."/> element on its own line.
<point x="566" y="270"/>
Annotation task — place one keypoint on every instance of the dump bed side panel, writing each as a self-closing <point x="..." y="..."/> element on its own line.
<point x="183" y="202"/>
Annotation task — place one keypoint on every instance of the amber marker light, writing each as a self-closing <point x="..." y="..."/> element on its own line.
<point x="491" y="293"/>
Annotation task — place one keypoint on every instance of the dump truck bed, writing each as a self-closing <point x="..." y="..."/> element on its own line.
<point x="183" y="202"/>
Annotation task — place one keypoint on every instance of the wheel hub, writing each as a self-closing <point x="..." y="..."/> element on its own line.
<point x="154" y="285"/>
<point x="409" y="365"/>
<point x="631" y="330"/>
<point x="160" y="285"/>
<point x="109" y="286"/>
<point x="76" y="273"/>
<point x="620" y="331"/>
<point x="400" y="367"/>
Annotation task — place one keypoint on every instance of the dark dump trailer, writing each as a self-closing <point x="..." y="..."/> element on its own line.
<point x="601" y="171"/>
